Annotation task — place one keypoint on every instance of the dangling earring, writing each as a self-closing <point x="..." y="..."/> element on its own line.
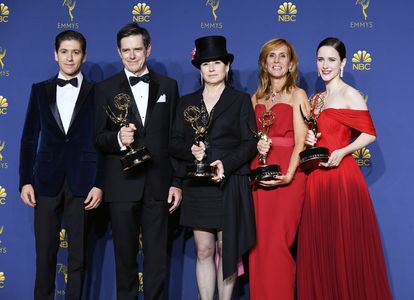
<point x="227" y="76"/>
<point x="201" y="79"/>
<point x="319" y="74"/>
<point x="342" y="72"/>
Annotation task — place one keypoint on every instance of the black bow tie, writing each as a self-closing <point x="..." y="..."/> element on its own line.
<point x="63" y="82"/>
<point x="133" y="80"/>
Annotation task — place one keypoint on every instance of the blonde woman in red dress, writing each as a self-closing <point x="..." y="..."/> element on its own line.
<point x="339" y="249"/>
<point x="278" y="202"/>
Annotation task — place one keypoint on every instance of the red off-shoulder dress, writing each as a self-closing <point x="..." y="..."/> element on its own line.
<point x="339" y="249"/>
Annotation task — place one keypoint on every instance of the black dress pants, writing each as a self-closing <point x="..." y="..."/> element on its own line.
<point x="126" y="219"/>
<point x="47" y="220"/>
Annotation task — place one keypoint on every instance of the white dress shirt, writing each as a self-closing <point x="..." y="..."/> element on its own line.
<point x="66" y="97"/>
<point x="140" y="91"/>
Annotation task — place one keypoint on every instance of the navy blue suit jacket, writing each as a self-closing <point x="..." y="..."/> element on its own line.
<point x="48" y="155"/>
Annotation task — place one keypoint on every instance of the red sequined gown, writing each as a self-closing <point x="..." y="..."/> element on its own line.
<point x="340" y="255"/>
<point x="272" y="268"/>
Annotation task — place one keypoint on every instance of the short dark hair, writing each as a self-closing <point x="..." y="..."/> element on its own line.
<point x="336" y="43"/>
<point x="133" y="29"/>
<point x="69" y="35"/>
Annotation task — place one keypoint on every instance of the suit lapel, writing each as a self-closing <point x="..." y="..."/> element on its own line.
<point x="152" y="99"/>
<point x="51" y="96"/>
<point x="223" y="103"/>
<point x="124" y="86"/>
<point x="83" y="93"/>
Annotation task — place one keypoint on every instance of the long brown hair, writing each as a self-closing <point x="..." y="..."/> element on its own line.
<point x="264" y="88"/>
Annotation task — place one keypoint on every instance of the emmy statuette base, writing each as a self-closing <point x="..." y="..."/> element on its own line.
<point x="200" y="170"/>
<point x="310" y="158"/>
<point x="265" y="172"/>
<point x="134" y="158"/>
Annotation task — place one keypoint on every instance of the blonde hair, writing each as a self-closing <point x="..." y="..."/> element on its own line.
<point x="264" y="88"/>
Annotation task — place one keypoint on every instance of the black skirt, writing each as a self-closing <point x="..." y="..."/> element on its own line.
<point x="202" y="205"/>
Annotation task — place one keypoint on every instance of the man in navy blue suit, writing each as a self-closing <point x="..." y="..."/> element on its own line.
<point x="59" y="166"/>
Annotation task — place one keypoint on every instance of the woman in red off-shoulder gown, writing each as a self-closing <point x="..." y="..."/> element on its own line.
<point x="339" y="249"/>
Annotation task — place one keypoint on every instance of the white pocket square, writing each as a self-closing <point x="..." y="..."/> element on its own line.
<point x="161" y="99"/>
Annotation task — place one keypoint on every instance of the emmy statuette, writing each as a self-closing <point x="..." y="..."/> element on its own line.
<point x="198" y="169"/>
<point x="134" y="157"/>
<point x="264" y="172"/>
<point x="313" y="156"/>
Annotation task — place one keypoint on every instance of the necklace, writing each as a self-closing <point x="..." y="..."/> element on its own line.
<point x="274" y="95"/>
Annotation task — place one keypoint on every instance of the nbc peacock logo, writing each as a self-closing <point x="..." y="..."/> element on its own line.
<point x="4" y="13"/>
<point x="63" y="238"/>
<point x="141" y="13"/>
<point x="362" y="157"/>
<point x="3" y="195"/>
<point x="287" y="12"/>
<point x="2" y="279"/>
<point x="361" y="61"/>
<point x="3" y="105"/>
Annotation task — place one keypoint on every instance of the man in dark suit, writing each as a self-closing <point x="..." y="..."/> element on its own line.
<point x="140" y="196"/>
<point x="59" y="165"/>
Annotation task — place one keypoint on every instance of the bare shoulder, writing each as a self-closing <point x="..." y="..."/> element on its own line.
<point x="253" y="98"/>
<point x="354" y="99"/>
<point x="299" y="97"/>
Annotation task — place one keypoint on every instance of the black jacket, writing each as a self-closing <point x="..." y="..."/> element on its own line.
<point x="157" y="173"/>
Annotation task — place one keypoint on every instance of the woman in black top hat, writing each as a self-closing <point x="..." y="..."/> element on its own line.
<point x="220" y="209"/>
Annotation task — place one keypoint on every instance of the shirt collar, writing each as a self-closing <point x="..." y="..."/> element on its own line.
<point x="79" y="76"/>
<point x="130" y="74"/>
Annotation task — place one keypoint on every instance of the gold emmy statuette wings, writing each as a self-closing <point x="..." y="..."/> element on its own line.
<point x="2" y="55"/>
<point x="71" y="6"/>
<point x="214" y="4"/>
<point x="1" y="148"/>
<point x="364" y="4"/>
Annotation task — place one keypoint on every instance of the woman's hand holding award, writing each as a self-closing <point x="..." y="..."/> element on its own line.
<point x="134" y="157"/>
<point x="265" y="172"/>
<point x="311" y="158"/>
<point x="198" y="169"/>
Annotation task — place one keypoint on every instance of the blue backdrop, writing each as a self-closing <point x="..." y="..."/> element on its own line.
<point x="379" y="42"/>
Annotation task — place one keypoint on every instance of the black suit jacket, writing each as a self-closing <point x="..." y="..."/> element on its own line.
<point x="48" y="155"/>
<point x="230" y="135"/>
<point x="157" y="173"/>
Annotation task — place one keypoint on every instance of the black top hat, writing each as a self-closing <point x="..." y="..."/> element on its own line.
<point x="209" y="48"/>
